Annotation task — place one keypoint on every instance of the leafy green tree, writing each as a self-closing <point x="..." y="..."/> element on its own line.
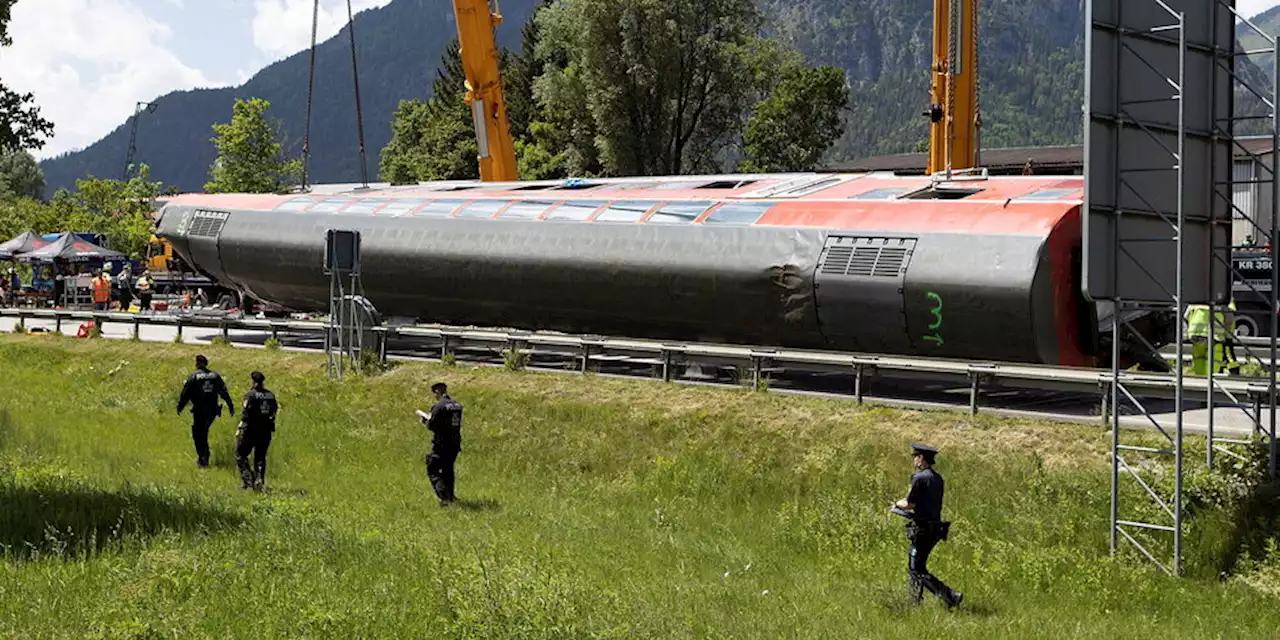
<point x="664" y="83"/>
<point x="21" y="126"/>
<point x="20" y="176"/>
<point x="250" y="157"/>
<point x="434" y="139"/>
<point x="792" y="128"/>
<point x="120" y="210"/>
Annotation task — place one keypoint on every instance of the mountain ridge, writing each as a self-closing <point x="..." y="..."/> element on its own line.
<point x="1031" y="70"/>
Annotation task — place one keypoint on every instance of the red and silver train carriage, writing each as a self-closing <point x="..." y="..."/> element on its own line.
<point x="981" y="269"/>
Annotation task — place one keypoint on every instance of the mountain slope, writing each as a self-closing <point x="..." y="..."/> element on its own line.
<point x="1032" y="73"/>
<point x="398" y="46"/>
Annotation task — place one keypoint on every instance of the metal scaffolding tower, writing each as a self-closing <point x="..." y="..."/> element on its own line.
<point x="1157" y="150"/>
<point x="351" y="316"/>
<point x="1263" y="118"/>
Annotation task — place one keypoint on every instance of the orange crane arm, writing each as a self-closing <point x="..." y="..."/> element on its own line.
<point x="954" y="116"/>
<point x="476" y="22"/>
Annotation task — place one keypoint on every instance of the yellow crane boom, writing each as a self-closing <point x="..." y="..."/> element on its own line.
<point x="954" y="116"/>
<point x="477" y="20"/>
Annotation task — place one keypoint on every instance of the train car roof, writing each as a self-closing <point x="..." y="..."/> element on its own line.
<point x="1004" y="204"/>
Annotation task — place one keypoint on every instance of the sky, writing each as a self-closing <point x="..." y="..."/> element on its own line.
<point x="89" y="62"/>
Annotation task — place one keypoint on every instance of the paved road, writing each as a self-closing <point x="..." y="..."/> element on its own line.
<point x="1070" y="407"/>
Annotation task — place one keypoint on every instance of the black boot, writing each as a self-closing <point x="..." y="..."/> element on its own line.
<point x="955" y="599"/>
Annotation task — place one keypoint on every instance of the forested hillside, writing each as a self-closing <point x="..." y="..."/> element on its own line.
<point x="1031" y="82"/>
<point x="399" y="47"/>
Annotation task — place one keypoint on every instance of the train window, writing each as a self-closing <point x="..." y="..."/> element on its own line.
<point x="740" y="213"/>
<point x="580" y="210"/>
<point x="330" y="205"/>
<point x="727" y="184"/>
<point x="881" y="194"/>
<point x="296" y="204"/>
<point x="526" y="209"/>
<point x="626" y="211"/>
<point x="679" y="212"/>
<point x="400" y="206"/>
<point x="1048" y="194"/>
<point x="482" y="209"/>
<point x="366" y="205"/>
<point x="944" y="193"/>
<point x="439" y="208"/>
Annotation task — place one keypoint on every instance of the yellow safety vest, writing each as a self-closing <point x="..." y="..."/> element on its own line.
<point x="1197" y="317"/>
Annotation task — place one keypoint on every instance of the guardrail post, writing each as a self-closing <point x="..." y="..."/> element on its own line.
<point x="1105" y="389"/>
<point x="275" y="332"/>
<point x="586" y="357"/>
<point x="667" y="358"/>
<point x="57" y="323"/>
<point x="975" y="387"/>
<point x="382" y="346"/>
<point x="137" y="328"/>
<point x="22" y="322"/>
<point x="226" y="331"/>
<point x="1257" y="413"/>
<point x="858" y="371"/>
<point x="179" y="327"/>
<point x="445" y="348"/>
<point x="97" y="323"/>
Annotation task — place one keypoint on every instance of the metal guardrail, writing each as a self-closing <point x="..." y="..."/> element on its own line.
<point x="666" y="356"/>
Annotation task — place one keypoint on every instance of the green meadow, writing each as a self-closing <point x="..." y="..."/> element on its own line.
<point x="591" y="508"/>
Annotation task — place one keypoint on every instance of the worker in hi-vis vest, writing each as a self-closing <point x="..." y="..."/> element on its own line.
<point x="1197" y="332"/>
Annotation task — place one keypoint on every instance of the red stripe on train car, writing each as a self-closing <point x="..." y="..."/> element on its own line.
<point x="922" y="216"/>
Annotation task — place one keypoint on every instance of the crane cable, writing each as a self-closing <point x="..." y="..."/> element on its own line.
<point x="954" y="18"/>
<point x="977" y="88"/>
<point x="311" y="86"/>
<point x="355" y="79"/>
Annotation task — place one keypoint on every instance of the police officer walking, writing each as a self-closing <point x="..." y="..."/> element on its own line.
<point x="257" y="424"/>
<point x="202" y="390"/>
<point x="926" y="527"/>
<point x="445" y="423"/>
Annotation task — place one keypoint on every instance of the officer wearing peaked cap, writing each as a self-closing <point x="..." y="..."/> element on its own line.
<point x="923" y="507"/>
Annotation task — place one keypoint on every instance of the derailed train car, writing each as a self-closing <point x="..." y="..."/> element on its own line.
<point x="984" y="269"/>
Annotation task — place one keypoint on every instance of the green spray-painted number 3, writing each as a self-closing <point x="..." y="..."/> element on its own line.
<point x="936" y="338"/>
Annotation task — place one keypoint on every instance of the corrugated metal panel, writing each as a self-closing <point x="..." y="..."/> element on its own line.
<point x="1242" y="196"/>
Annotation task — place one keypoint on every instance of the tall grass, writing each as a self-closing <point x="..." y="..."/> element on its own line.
<point x="591" y="507"/>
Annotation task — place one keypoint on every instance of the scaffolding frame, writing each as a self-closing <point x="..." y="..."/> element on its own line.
<point x="1178" y="214"/>
<point x="349" y="310"/>
<point x="1264" y="430"/>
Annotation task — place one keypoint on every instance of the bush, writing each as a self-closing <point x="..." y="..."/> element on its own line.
<point x="272" y="344"/>
<point x="515" y="359"/>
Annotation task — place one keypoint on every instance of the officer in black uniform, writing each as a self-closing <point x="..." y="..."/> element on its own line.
<point x="445" y="423"/>
<point x="257" y="424"/>
<point x="923" y="505"/>
<point x="202" y="390"/>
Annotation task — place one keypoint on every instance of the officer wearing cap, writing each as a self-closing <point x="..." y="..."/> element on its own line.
<point x="923" y="506"/>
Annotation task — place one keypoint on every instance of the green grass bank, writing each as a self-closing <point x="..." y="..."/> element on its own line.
<point x="595" y="508"/>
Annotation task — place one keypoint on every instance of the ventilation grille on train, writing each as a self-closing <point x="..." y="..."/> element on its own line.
<point x="207" y="224"/>
<point x="866" y="257"/>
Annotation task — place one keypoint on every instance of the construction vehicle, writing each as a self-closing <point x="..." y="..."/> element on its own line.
<point x="175" y="279"/>
<point x="955" y="119"/>
<point x="477" y="20"/>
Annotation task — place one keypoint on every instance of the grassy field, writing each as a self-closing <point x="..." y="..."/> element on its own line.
<point x="593" y="508"/>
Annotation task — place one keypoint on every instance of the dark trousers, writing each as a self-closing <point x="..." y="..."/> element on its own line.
<point x="126" y="299"/>
<point x="440" y="471"/>
<point x="200" y="423"/>
<point x="144" y="302"/>
<point x="255" y="441"/>
<point x="918" y="577"/>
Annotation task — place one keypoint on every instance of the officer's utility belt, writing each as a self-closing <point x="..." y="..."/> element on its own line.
<point x="937" y="528"/>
